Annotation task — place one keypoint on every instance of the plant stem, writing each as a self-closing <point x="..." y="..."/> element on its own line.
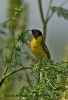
<point x="42" y="17"/>
<point x="64" y="3"/>
<point x="44" y="21"/>
<point x="41" y="11"/>
<point x="13" y="34"/>
<point x="6" y="69"/>
<point x="16" y="70"/>
<point x="44" y="30"/>
<point x="54" y="12"/>
<point x="48" y="10"/>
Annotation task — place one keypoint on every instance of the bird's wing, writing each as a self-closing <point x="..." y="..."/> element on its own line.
<point x="46" y="49"/>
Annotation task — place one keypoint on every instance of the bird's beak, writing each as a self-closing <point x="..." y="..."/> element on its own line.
<point x="30" y="31"/>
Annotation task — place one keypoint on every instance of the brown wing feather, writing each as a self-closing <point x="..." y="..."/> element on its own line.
<point x="46" y="49"/>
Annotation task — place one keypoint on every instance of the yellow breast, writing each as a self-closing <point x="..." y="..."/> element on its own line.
<point x="37" y="48"/>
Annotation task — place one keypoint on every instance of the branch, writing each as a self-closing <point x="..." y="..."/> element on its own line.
<point x="6" y="69"/>
<point x="63" y="3"/>
<point x="48" y="10"/>
<point x="19" y="69"/>
<point x="42" y="16"/>
<point x="41" y="11"/>
<point x="45" y="21"/>
<point x="54" y="12"/>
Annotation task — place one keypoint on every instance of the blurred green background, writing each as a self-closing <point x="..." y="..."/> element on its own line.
<point x="56" y="39"/>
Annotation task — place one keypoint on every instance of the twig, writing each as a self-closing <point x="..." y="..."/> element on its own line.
<point x="48" y="10"/>
<point x="44" y="21"/>
<point x="42" y="17"/>
<point x="6" y="69"/>
<point x="64" y="3"/>
<point x="19" y="69"/>
<point x="28" y="78"/>
<point x="54" y="12"/>
<point x="41" y="11"/>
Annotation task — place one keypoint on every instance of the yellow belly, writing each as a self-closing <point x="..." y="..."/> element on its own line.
<point x="37" y="49"/>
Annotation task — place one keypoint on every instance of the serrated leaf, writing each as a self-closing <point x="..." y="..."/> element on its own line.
<point x="24" y="37"/>
<point x="62" y="12"/>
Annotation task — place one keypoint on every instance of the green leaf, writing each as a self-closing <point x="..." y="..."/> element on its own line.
<point x="24" y="37"/>
<point x="62" y="12"/>
<point x="45" y="85"/>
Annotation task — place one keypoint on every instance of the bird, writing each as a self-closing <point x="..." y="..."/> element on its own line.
<point x="38" y="46"/>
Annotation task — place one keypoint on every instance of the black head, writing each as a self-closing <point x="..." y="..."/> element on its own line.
<point x="36" y="33"/>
